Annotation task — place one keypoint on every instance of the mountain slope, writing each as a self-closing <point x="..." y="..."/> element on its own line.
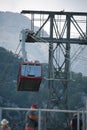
<point x="11" y="25"/>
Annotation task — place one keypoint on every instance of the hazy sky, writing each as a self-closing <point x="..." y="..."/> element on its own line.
<point x="51" y="5"/>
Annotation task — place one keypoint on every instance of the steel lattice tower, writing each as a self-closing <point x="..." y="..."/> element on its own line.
<point x="61" y="25"/>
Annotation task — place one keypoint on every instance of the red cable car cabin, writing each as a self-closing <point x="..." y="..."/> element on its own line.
<point x="30" y="76"/>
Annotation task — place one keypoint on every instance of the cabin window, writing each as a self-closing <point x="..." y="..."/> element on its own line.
<point x="31" y="70"/>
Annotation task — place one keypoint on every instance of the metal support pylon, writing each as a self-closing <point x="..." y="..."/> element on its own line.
<point x="60" y="40"/>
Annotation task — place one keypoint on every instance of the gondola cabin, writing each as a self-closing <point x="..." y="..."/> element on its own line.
<point x="29" y="77"/>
